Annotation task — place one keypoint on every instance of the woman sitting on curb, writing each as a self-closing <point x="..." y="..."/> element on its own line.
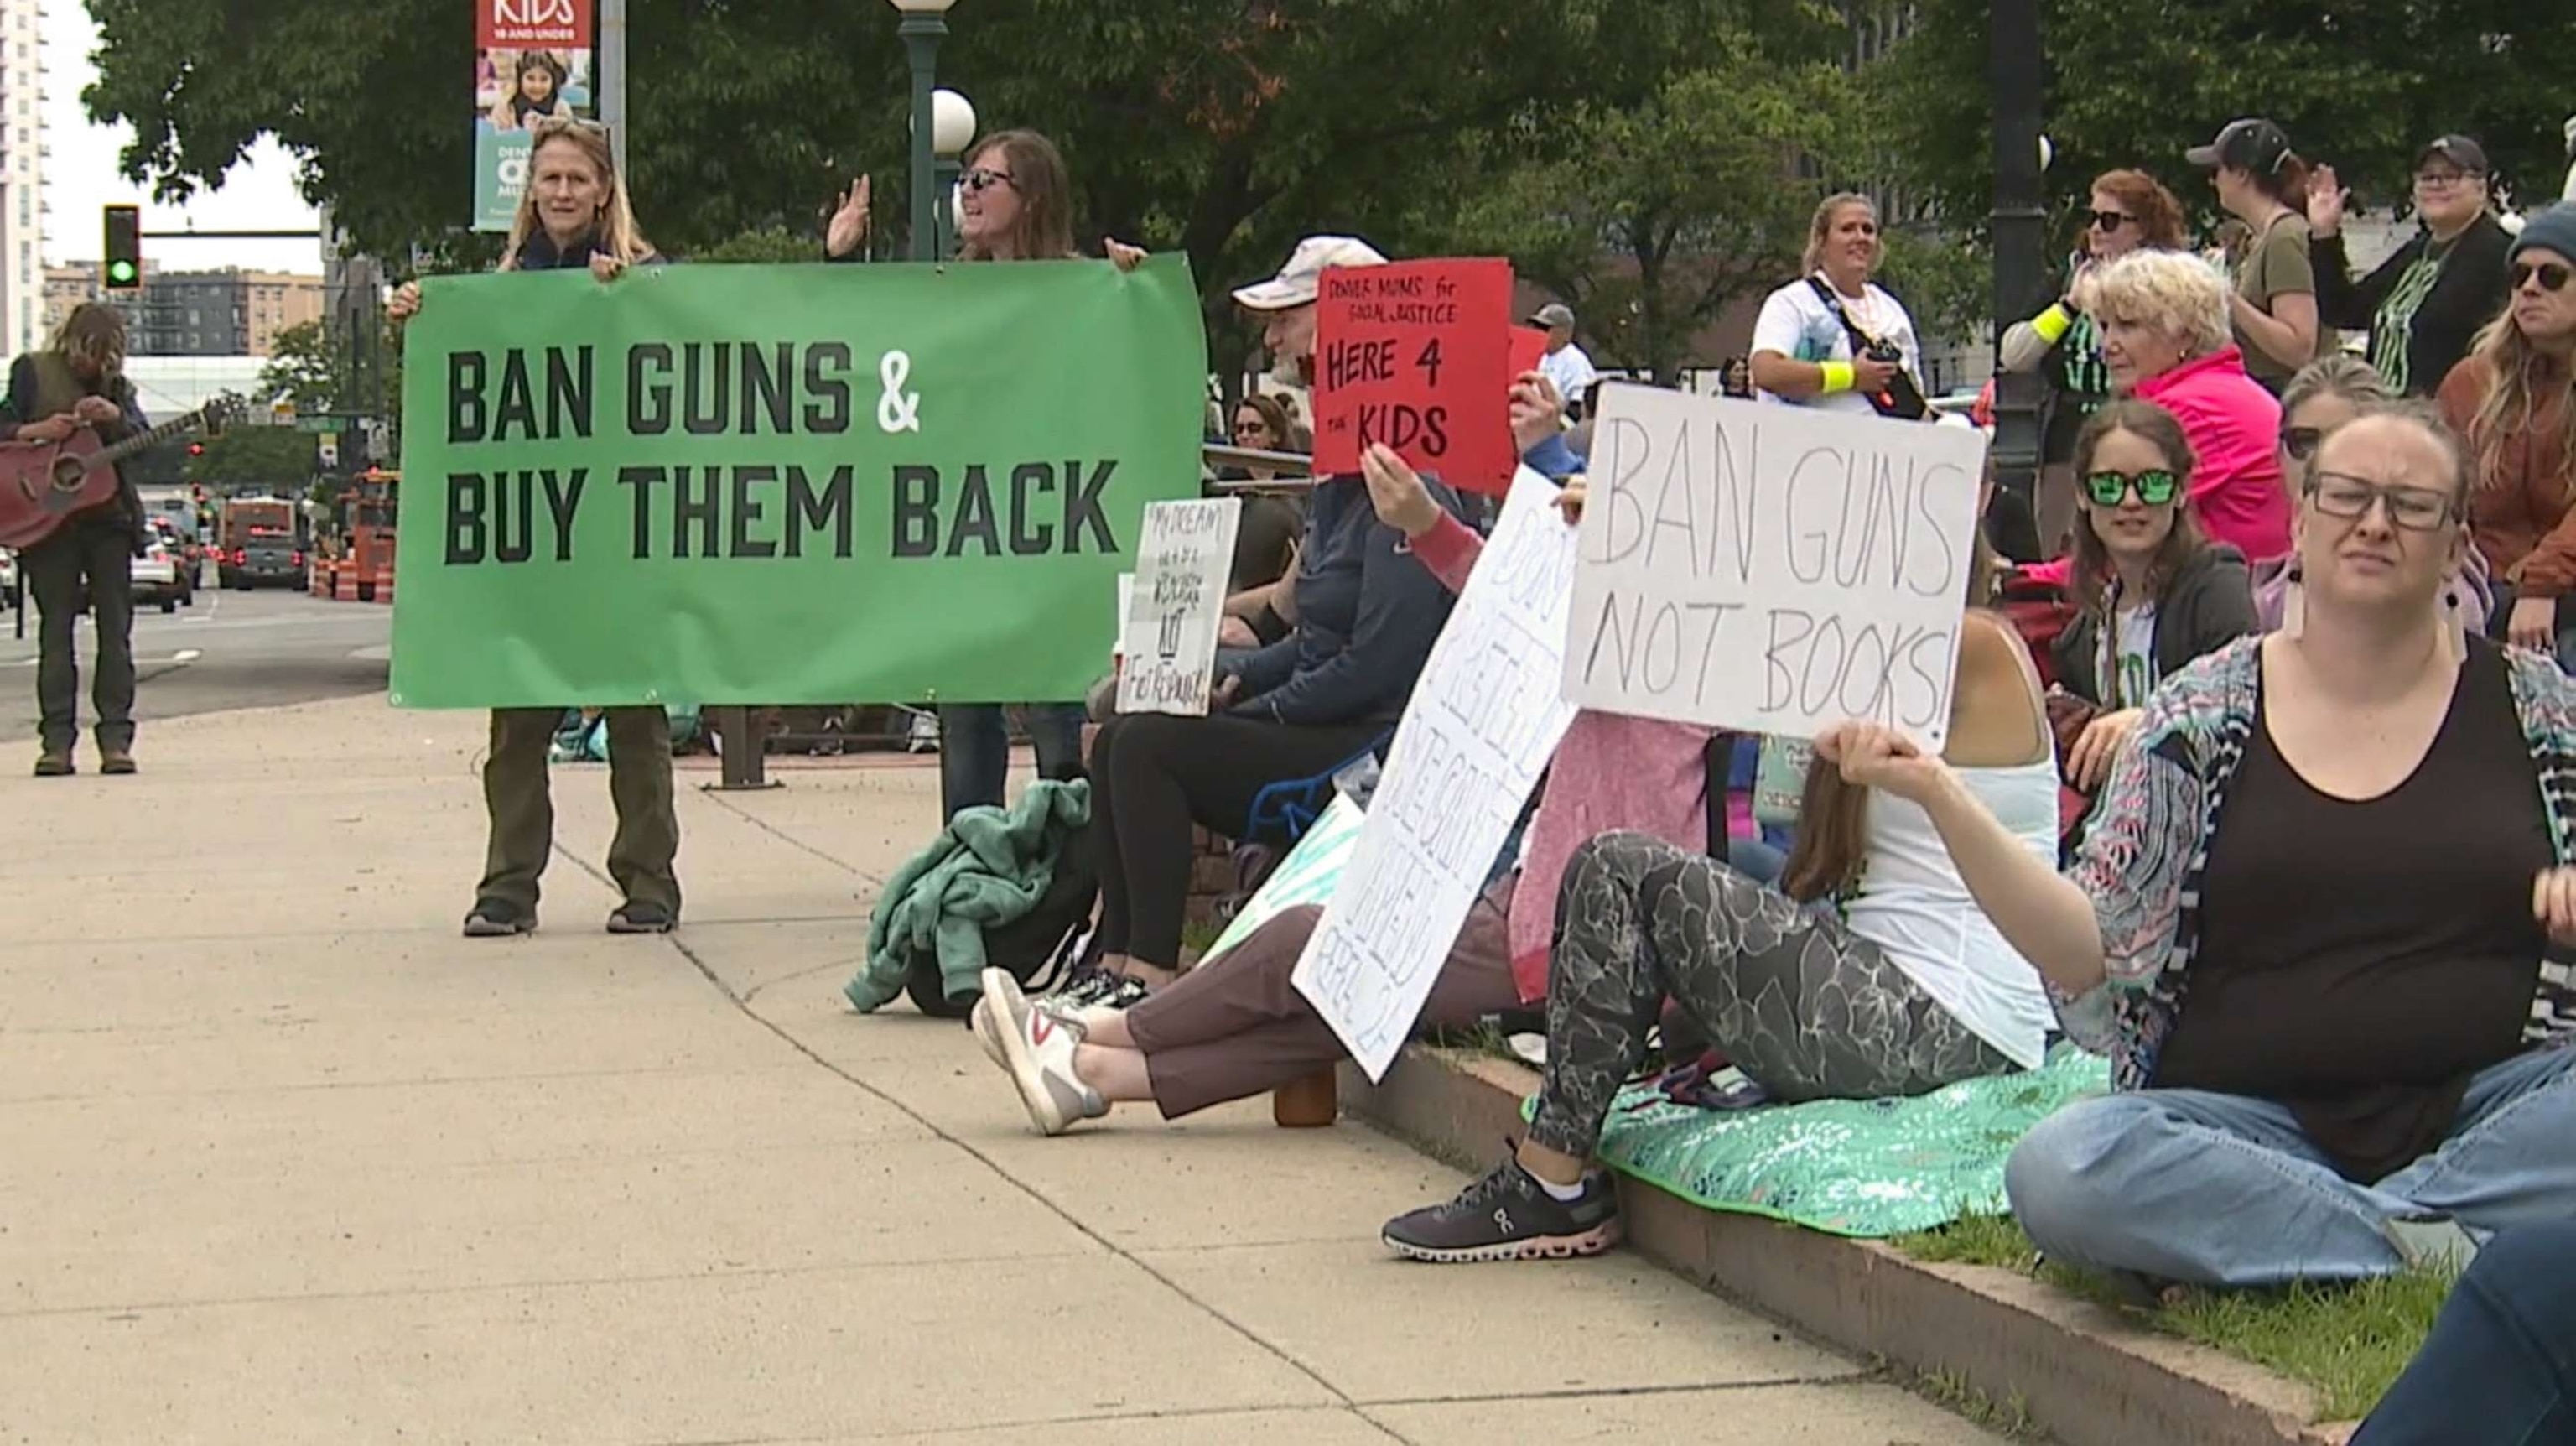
<point x="2152" y="593"/>
<point x="2307" y="923"/>
<point x="1905" y="989"/>
<point x="1239" y="1028"/>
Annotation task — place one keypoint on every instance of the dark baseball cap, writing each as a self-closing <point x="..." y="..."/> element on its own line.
<point x="2251" y="144"/>
<point x="2460" y="151"/>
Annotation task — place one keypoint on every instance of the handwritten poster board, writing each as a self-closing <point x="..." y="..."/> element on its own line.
<point x="1419" y="356"/>
<point x="1482" y="724"/>
<point x="1184" y="555"/>
<point x="1772" y="569"/>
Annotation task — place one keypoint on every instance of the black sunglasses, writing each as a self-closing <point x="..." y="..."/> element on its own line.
<point x="980" y="180"/>
<point x="2553" y="276"/>
<point x="2301" y="442"/>
<point x="2111" y="220"/>
<point x="2155" y="487"/>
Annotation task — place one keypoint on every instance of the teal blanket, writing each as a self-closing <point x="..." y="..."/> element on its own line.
<point x="1870" y="1168"/>
<point x="986" y="868"/>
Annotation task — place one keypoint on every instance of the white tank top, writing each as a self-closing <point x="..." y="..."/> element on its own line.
<point x="1913" y="905"/>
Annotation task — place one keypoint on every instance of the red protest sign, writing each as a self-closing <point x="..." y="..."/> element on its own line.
<point x="1417" y="356"/>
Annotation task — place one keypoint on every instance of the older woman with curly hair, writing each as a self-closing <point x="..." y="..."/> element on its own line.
<point x="2163" y="316"/>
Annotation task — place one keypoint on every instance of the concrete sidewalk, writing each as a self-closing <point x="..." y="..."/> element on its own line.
<point x="283" y="1159"/>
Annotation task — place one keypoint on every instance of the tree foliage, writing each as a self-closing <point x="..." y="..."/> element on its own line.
<point x="2359" y="84"/>
<point x="280" y="459"/>
<point x="1664" y="210"/>
<point x="316" y="369"/>
<point x="1218" y="127"/>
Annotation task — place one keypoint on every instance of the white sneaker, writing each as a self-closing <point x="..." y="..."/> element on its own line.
<point x="1002" y="1001"/>
<point x="1037" y="1048"/>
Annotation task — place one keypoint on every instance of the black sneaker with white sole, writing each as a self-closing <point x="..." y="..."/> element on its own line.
<point x="498" y="919"/>
<point x="1096" y="989"/>
<point x="1508" y="1215"/>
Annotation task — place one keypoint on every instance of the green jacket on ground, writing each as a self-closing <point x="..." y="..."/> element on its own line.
<point x="987" y="868"/>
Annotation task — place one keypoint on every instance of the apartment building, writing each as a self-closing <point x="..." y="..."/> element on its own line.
<point x="23" y="153"/>
<point x="194" y="313"/>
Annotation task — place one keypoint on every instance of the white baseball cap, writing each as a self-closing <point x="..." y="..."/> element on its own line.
<point x="1298" y="282"/>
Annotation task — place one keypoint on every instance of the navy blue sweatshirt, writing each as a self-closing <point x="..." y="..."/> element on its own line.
<point x="1368" y="612"/>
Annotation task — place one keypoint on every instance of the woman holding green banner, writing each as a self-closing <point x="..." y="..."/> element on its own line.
<point x="574" y="213"/>
<point x="1015" y="203"/>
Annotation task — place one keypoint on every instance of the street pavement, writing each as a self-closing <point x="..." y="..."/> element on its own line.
<point x="288" y="1161"/>
<point x="231" y="650"/>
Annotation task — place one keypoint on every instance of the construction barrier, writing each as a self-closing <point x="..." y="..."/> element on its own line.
<point x="317" y="579"/>
<point x="344" y="584"/>
<point x="384" y="585"/>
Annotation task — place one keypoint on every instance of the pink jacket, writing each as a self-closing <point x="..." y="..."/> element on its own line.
<point x="2235" y="429"/>
<point x="1611" y="772"/>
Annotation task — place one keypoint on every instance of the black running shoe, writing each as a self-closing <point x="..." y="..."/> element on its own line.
<point x="1096" y="989"/>
<point x="1509" y="1216"/>
<point x="496" y="919"/>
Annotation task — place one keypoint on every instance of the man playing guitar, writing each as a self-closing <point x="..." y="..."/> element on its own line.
<point x="79" y="382"/>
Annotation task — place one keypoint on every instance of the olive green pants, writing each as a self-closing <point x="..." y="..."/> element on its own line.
<point x="523" y="810"/>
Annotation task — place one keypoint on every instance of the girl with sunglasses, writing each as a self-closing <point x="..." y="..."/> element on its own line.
<point x="2152" y="594"/>
<point x="2511" y="398"/>
<point x="2129" y="211"/>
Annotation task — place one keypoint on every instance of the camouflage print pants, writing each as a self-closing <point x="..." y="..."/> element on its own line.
<point x="1787" y="993"/>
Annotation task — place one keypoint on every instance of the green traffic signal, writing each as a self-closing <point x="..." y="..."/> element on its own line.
<point x="124" y="249"/>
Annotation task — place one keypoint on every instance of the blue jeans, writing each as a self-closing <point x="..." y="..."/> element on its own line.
<point x="2502" y="1353"/>
<point x="2213" y="1189"/>
<point x="975" y="749"/>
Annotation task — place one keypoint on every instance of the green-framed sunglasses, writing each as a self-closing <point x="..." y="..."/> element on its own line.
<point x="2155" y="487"/>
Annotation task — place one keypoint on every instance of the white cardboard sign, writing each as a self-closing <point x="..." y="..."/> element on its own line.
<point x="1183" y="559"/>
<point x="1484" y="720"/>
<point x="1772" y="569"/>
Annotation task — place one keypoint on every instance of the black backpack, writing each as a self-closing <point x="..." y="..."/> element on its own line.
<point x="1041" y="947"/>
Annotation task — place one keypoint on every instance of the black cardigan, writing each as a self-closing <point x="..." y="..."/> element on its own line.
<point x="2467" y="296"/>
<point x="2208" y="605"/>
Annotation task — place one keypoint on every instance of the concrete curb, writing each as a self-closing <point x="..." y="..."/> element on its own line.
<point x="2087" y="1375"/>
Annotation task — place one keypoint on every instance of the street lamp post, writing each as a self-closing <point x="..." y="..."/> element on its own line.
<point x="952" y="130"/>
<point x="924" y="22"/>
<point x="2019" y="228"/>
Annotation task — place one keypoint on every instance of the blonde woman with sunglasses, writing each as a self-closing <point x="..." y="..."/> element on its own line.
<point x="573" y="214"/>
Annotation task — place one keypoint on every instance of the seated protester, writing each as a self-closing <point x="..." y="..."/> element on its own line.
<point x="1265" y="541"/>
<point x="2151" y="594"/>
<point x="2165" y="339"/>
<point x="2511" y="398"/>
<point x="2324" y="395"/>
<point x="1904" y="989"/>
<point x="1367" y="614"/>
<point x="2307" y="924"/>
<point x="1240" y="1028"/>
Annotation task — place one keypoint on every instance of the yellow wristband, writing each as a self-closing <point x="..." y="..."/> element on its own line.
<point x="2053" y="324"/>
<point x="1838" y="376"/>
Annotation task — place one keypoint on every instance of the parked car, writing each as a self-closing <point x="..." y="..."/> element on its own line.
<point x="8" y="578"/>
<point x="157" y="577"/>
<point x="184" y="555"/>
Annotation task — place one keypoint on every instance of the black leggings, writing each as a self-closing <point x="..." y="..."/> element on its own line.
<point x="1152" y="776"/>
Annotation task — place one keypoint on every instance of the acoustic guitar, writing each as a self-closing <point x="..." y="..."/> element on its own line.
<point x="43" y="483"/>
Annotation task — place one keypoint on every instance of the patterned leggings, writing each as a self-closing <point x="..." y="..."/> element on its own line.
<point x="1786" y="992"/>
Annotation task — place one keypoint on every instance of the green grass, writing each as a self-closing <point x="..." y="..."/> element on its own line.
<point x="1952" y="1391"/>
<point x="2345" y="1342"/>
<point x="1196" y="938"/>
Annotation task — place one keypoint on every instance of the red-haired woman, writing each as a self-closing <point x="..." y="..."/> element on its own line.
<point x="2129" y="210"/>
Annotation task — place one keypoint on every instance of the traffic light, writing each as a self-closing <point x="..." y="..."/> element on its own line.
<point x="198" y="449"/>
<point x="124" y="248"/>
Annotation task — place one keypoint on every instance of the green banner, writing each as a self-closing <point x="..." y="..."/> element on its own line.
<point x="785" y="484"/>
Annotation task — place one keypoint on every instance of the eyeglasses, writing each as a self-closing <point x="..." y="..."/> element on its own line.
<point x="980" y="180"/>
<point x="2444" y="180"/>
<point x="2155" y="487"/>
<point x="2111" y="220"/>
<point x="2551" y="275"/>
<point x="1252" y="429"/>
<point x="2417" y="509"/>
<point x="2301" y="442"/>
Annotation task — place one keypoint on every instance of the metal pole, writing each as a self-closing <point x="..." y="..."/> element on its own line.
<point x="921" y="34"/>
<point x="2019" y="227"/>
<point x="944" y="196"/>
<point x="612" y="77"/>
